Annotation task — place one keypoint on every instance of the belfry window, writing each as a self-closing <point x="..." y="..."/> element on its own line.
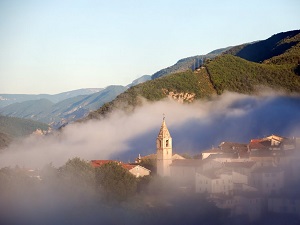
<point x="167" y="143"/>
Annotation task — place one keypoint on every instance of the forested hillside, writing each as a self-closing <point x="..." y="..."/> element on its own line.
<point x="185" y="87"/>
<point x="17" y="127"/>
<point x="230" y="71"/>
<point x="235" y="74"/>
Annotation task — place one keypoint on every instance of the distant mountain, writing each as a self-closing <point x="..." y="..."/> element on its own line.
<point x="63" y="112"/>
<point x="7" y="99"/>
<point x="227" y="71"/>
<point x="32" y="109"/>
<point x="13" y="127"/>
<point x="78" y="107"/>
<point x="139" y="80"/>
<point x="188" y="63"/>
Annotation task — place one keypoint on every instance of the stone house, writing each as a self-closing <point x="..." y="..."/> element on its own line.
<point x="137" y="170"/>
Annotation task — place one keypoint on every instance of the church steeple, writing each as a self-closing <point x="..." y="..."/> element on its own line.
<point x="164" y="132"/>
<point x="164" y="150"/>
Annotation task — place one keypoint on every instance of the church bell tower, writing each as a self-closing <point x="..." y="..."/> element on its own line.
<point x="164" y="150"/>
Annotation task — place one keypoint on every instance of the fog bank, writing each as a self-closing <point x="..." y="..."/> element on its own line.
<point x="194" y="127"/>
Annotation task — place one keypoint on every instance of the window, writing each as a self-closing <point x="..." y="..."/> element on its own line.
<point x="167" y="143"/>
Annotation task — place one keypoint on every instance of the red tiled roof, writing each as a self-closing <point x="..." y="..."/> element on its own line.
<point x="128" y="166"/>
<point x="97" y="163"/>
<point x="256" y="144"/>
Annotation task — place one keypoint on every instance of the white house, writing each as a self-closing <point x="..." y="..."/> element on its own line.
<point x="213" y="182"/>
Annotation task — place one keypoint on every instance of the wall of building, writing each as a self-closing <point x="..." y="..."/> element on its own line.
<point x="139" y="171"/>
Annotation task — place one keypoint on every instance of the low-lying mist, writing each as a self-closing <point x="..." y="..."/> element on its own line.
<point x="194" y="127"/>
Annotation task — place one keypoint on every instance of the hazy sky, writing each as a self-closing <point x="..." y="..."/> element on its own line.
<point x="52" y="46"/>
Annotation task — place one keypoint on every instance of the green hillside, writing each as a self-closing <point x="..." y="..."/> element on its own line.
<point x="189" y="63"/>
<point x="230" y="71"/>
<point x="17" y="127"/>
<point x="176" y="85"/>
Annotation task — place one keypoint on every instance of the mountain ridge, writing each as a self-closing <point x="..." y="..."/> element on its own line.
<point x="65" y="111"/>
<point x="227" y="71"/>
<point x="7" y="99"/>
<point x="192" y="63"/>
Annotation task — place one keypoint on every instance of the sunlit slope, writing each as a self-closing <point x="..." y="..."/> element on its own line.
<point x="184" y="87"/>
<point x="235" y="74"/>
<point x="279" y="70"/>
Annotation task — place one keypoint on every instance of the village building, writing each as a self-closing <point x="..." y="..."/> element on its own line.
<point x="231" y="177"/>
<point x="164" y="150"/>
<point x="134" y="169"/>
<point x="137" y="170"/>
<point x="244" y="178"/>
<point x="227" y="152"/>
<point x="272" y="142"/>
<point x="183" y="171"/>
<point x="214" y="182"/>
<point x="268" y="180"/>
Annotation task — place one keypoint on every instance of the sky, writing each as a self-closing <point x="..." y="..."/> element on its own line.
<point x="53" y="46"/>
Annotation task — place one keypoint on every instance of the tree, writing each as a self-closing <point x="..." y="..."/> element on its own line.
<point x="115" y="182"/>
<point x="78" y="172"/>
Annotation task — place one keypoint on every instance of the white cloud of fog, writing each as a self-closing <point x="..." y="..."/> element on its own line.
<point x="230" y="117"/>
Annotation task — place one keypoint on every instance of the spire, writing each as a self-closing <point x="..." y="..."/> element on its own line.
<point x="164" y="132"/>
